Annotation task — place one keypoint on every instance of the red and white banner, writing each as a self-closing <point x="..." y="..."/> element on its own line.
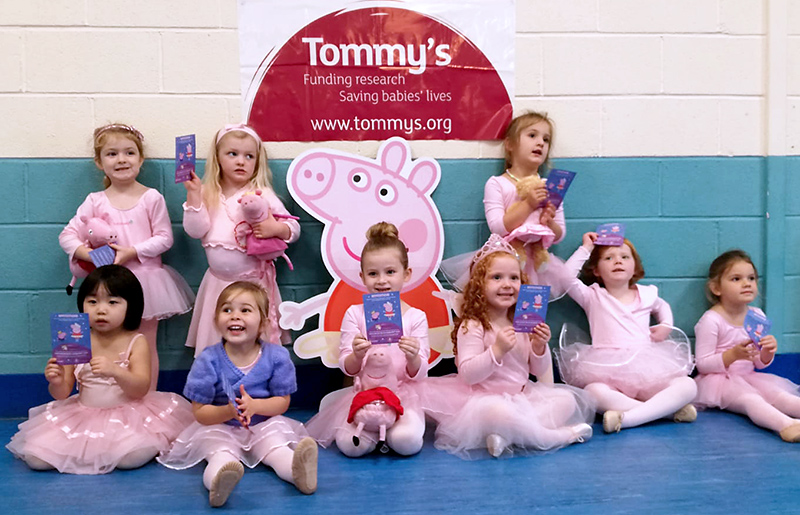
<point x="325" y="70"/>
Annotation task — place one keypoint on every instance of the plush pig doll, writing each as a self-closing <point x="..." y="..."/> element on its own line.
<point x="255" y="209"/>
<point x="96" y="232"/>
<point x="375" y="407"/>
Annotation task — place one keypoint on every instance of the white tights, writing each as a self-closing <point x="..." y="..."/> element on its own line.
<point x="680" y="392"/>
<point x="279" y="460"/>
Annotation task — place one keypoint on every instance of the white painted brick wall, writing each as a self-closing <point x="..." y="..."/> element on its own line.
<point x="620" y="77"/>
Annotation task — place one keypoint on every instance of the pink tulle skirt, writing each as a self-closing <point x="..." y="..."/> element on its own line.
<point x="166" y="292"/>
<point x="250" y="445"/>
<point x="78" y="439"/>
<point x="639" y="371"/>
<point x="537" y="419"/>
<point x="335" y="406"/>
<point x="720" y="390"/>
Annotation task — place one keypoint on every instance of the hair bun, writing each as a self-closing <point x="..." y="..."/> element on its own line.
<point x="382" y="231"/>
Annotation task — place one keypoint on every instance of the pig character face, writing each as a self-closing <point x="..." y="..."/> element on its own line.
<point x="349" y="193"/>
<point x="376" y="370"/>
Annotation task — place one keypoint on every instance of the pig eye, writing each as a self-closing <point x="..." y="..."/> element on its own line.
<point x="386" y="193"/>
<point x="359" y="179"/>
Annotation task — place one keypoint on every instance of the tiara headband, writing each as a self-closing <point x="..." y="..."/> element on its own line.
<point x="119" y="127"/>
<point x="495" y="243"/>
<point x="238" y="127"/>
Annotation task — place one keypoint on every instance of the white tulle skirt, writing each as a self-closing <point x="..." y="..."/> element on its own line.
<point x="639" y="370"/>
<point x="250" y="445"/>
<point x="538" y="418"/>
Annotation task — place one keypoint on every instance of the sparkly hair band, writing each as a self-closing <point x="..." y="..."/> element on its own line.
<point x="495" y="243"/>
<point x="119" y="127"/>
<point x="238" y="127"/>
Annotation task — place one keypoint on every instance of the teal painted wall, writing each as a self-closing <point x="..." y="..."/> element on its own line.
<point x="680" y="213"/>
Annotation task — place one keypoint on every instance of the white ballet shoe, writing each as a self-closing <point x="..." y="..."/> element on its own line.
<point x="304" y="466"/>
<point x="224" y="482"/>
<point x="496" y="444"/>
<point x="581" y="433"/>
<point x="612" y="421"/>
<point x="687" y="413"/>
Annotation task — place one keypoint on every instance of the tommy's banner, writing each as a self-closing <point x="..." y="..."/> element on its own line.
<point x="353" y="70"/>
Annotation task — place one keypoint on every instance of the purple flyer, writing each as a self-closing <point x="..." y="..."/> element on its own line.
<point x="102" y="256"/>
<point x="531" y="307"/>
<point x="611" y="235"/>
<point x="71" y="338"/>
<point x="557" y="184"/>
<point x="383" y="316"/>
<point x="757" y="326"/>
<point x="185" y="158"/>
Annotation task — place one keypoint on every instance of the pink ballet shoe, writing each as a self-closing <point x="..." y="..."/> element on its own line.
<point x="791" y="434"/>
<point x="496" y="444"/>
<point x="224" y="482"/>
<point x="304" y="466"/>
<point x="612" y="421"/>
<point x="687" y="413"/>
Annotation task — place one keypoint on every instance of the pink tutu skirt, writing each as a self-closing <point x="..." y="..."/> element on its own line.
<point x="537" y="419"/>
<point x="250" y="445"/>
<point x="720" y="390"/>
<point x="335" y="407"/>
<point x="78" y="439"/>
<point x="639" y="371"/>
<point x="166" y="292"/>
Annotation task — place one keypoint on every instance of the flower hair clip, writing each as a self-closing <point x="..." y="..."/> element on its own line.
<point x="118" y="127"/>
<point x="495" y="243"/>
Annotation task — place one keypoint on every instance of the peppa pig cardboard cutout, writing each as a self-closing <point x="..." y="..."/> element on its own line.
<point x="348" y="193"/>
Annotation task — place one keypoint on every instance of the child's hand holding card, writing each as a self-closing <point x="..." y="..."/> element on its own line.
<point x="558" y="182"/>
<point x="757" y="326"/>
<point x="185" y="158"/>
<point x="612" y="235"/>
<point x="383" y="316"/>
<point x="102" y="256"/>
<point x="531" y="307"/>
<point x="71" y="338"/>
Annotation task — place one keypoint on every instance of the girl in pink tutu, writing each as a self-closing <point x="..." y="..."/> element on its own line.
<point x="727" y="358"/>
<point x="384" y="268"/>
<point x="527" y="147"/>
<point x="634" y="372"/>
<point x="492" y="404"/>
<point x="114" y="421"/>
<point x="139" y="219"/>
<point x="239" y="390"/>
<point x="236" y="165"/>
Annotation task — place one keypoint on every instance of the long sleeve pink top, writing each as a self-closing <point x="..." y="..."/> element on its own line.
<point x="612" y="323"/>
<point x="477" y="365"/>
<point x="714" y="336"/>
<point x="415" y="324"/>
<point x="498" y="195"/>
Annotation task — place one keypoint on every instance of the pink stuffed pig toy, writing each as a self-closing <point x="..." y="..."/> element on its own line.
<point x="95" y="232"/>
<point x="375" y="407"/>
<point x="255" y="209"/>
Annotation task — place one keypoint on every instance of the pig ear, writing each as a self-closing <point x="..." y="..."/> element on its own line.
<point x="84" y="219"/>
<point x="106" y="217"/>
<point x="424" y="176"/>
<point x="394" y="154"/>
